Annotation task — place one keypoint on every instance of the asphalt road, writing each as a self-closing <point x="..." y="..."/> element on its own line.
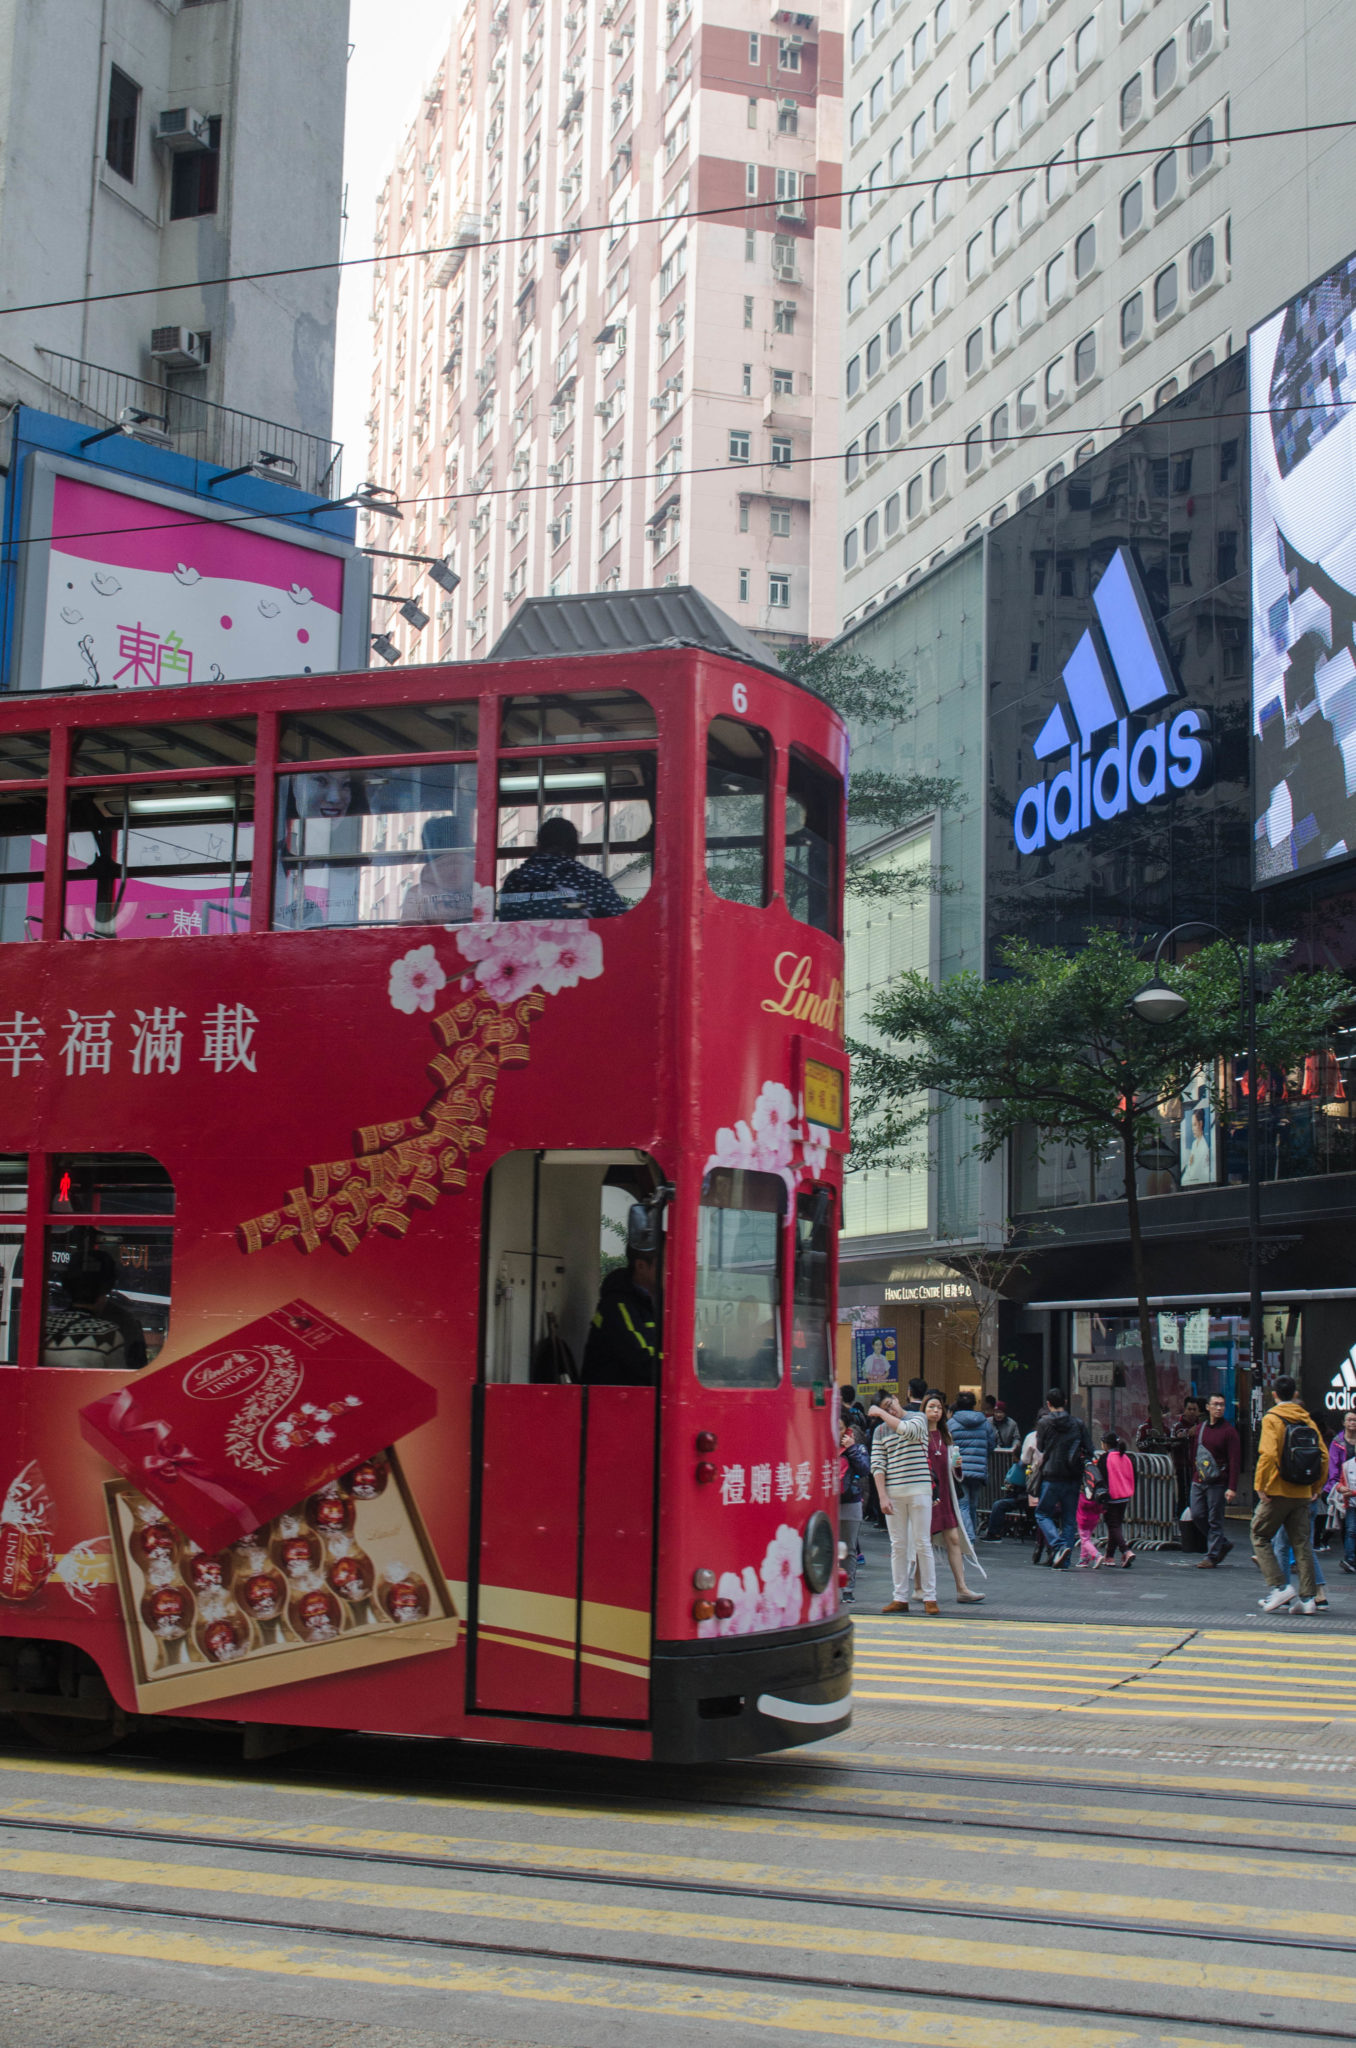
<point x="1122" y="1821"/>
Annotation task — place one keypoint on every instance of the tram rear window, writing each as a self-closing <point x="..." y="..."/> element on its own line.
<point x="23" y="756"/>
<point x="810" y="1355"/>
<point x="23" y="826"/>
<point x="159" y="861"/>
<point x="814" y="801"/>
<point x="565" y="719"/>
<point x="339" y="735"/>
<point x="138" y="749"/>
<point x="739" y="1235"/>
<point x="595" y="817"/>
<point x="374" y="846"/>
<point x="738" y="777"/>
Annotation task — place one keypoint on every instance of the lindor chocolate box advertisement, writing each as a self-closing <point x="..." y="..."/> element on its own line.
<point x="345" y="1578"/>
<point x="231" y="1436"/>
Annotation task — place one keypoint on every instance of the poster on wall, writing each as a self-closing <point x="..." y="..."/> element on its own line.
<point x="1199" y="1157"/>
<point x="127" y="586"/>
<point x="875" y="1355"/>
<point x="1302" y="397"/>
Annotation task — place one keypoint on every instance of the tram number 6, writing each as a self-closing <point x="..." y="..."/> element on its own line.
<point x="741" y="697"/>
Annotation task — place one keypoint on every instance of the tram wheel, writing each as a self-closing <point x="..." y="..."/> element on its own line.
<point x="63" y="1732"/>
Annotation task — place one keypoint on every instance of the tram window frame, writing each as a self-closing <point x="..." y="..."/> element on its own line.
<point x="187" y="747"/>
<point x="814" y="893"/>
<point x="23" y="824"/>
<point x="378" y="733"/>
<point x="440" y="887"/>
<point x="722" y="844"/>
<point x="587" y="768"/>
<point x="14" y="1182"/>
<point x="805" y="1302"/>
<point x="93" y="1230"/>
<point x="578" y="719"/>
<point x="97" y="804"/>
<point x="770" y="1191"/>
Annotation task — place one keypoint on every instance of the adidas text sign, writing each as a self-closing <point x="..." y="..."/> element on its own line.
<point x="1121" y="656"/>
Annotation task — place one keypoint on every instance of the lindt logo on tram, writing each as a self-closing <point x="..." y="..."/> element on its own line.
<point x="422" y="1113"/>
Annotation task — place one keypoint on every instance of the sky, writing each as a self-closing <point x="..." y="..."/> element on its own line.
<point x="396" y="45"/>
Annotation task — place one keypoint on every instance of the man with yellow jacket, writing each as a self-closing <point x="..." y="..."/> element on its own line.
<point x="1291" y="1466"/>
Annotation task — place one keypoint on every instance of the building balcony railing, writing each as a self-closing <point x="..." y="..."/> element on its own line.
<point x="192" y="426"/>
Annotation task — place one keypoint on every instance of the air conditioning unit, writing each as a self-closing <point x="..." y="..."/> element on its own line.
<point x="671" y="75"/>
<point x="554" y="530"/>
<point x="617" y="48"/>
<point x="179" y="348"/>
<point x="555" y="471"/>
<point x="659" y="405"/>
<point x="183" y="129"/>
<point x="603" y="410"/>
<point x="786" y="273"/>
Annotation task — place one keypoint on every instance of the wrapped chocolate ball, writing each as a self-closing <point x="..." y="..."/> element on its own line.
<point x="263" y="1595"/>
<point x="351" y="1576"/>
<point x="154" y="1539"/>
<point x="222" y="1634"/>
<point x="296" y="1549"/>
<point x="368" y="1480"/>
<point x="313" y="1612"/>
<point x="207" y="1571"/>
<point x="402" y="1594"/>
<point x="331" y="1512"/>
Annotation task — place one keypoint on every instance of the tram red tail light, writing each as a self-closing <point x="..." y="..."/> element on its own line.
<point x="706" y="1441"/>
<point x="724" y="1609"/>
<point x="704" y="1579"/>
<point x="703" y="1610"/>
<point x="706" y="1473"/>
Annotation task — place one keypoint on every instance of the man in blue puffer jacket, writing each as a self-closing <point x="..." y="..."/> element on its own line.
<point x="974" y="1437"/>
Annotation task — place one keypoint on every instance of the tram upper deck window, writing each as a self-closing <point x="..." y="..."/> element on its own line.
<point x="814" y="801"/>
<point x="738" y="778"/>
<point x="13" y="1208"/>
<point x="374" y="836"/>
<point x="375" y="846"/>
<point x="739" y="1236"/>
<point x="566" y="719"/>
<point x="576" y="834"/>
<point x="144" y="749"/>
<point x="108" y="1263"/>
<point x="159" y="860"/>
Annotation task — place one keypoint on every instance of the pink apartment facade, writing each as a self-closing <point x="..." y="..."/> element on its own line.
<point x="633" y="396"/>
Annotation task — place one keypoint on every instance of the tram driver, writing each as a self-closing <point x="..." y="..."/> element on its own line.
<point x="553" y="882"/>
<point x="623" y="1346"/>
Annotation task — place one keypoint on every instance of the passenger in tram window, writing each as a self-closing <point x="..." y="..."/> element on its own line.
<point x="442" y="894"/>
<point x="623" y="1346"/>
<point x="83" y="1333"/>
<point x="320" y="794"/>
<point x="553" y="882"/>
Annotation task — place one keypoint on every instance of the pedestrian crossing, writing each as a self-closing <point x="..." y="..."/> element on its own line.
<point x="1152" y="1673"/>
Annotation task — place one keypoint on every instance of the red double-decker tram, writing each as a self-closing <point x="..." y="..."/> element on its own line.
<point x="489" y="1017"/>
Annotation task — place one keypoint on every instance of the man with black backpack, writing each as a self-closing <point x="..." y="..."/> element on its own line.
<point x="1064" y="1447"/>
<point x="1292" y="1464"/>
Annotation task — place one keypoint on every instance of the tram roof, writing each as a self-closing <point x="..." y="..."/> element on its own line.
<point x="628" y="622"/>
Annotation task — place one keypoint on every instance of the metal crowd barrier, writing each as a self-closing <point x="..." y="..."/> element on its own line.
<point x="1152" y="1523"/>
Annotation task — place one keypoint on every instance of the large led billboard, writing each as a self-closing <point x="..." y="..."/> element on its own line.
<point x="1302" y="397"/>
<point x="125" y="585"/>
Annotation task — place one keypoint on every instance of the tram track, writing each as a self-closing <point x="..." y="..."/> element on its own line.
<point x="665" y="1966"/>
<point x="630" y="1880"/>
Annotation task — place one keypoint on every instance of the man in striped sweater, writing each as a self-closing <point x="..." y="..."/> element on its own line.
<point x="899" y="1464"/>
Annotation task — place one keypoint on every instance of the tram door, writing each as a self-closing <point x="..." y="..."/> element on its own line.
<point x="563" y="1539"/>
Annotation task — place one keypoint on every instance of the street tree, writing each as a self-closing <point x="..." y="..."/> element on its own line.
<point x="1052" y="1045"/>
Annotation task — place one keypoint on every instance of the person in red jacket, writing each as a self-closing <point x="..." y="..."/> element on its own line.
<point x="1216" y="1455"/>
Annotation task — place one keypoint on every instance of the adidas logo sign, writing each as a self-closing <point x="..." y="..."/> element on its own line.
<point x="1119" y="661"/>
<point x="1341" y="1395"/>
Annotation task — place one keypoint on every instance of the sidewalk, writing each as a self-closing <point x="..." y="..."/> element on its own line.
<point x="1162" y="1588"/>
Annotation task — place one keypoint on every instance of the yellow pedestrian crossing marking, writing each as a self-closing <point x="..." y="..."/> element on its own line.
<point x="822" y="2017"/>
<point x="848" y="1943"/>
<point x="1207" y="1675"/>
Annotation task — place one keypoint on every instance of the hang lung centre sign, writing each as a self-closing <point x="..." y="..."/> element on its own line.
<point x="1117" y="678"/>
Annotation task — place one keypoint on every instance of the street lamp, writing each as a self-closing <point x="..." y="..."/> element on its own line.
<point x="1156" y="1003"/>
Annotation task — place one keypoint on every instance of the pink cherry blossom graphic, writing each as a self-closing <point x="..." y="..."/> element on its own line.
<point x="415" y="980"/>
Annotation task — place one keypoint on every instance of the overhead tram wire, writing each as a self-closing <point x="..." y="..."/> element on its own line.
<point x="666" y="220"/>
<point x="912" y="449"/>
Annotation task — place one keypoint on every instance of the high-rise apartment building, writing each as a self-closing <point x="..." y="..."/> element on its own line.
<point x="1060" y="219"/>
<point x="175" y="143"/>
<point x="625" y="369"/>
